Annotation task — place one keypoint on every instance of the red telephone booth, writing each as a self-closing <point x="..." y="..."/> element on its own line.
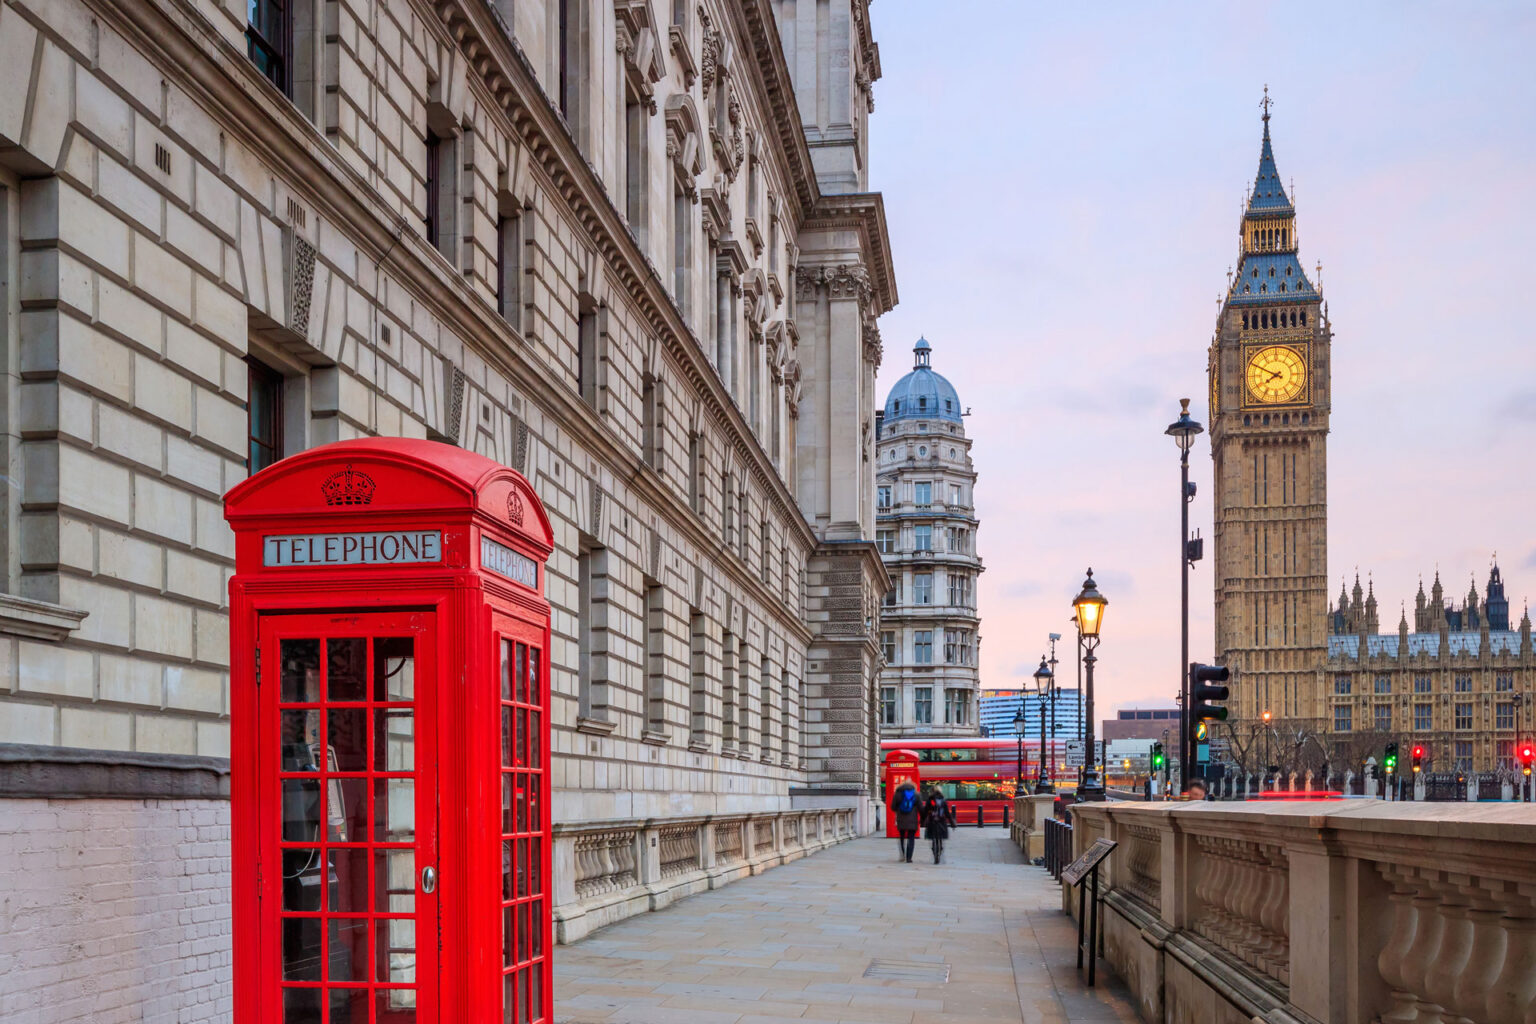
<point x="900" y="766"/>
<point x="390" y="739"/>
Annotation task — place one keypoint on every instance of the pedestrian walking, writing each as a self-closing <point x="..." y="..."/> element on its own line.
<point x="908" y="809"/>
<point x="936" y="818"/>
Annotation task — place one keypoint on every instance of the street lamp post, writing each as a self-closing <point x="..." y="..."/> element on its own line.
<point x="1267" y="717"/>
<point x="1089" y="604"/>
<point x="1018" y="732"/>
<point x="1044" y="688"/>
<point x="1052" y="662"/>
<point x="1183" y="431"/>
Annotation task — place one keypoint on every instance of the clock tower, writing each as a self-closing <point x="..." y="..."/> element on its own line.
<point x="1269" y="402"/>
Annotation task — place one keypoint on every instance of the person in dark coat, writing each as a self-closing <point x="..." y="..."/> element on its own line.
<point x="936" y="818"/>
<point x="907" y="806"/>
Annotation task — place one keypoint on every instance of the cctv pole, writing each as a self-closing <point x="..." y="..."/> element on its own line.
<point x="1186" y="741"/>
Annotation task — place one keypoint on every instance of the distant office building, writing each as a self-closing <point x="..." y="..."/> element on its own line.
<point x="998" y="708"/>
<point x="1141" y="724"/>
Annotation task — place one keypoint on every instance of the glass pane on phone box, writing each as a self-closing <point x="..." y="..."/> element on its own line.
<point x="530" y="787"/>
<point x="508" y="728"/>
<point x="513" y="1008"/>
<point x="346" y="810"/>
<point x="349" y="1005"/>
<point x="533" y="675"/>
<point x="506" y="803"/>
<point x="394" y="810"/>
<point x="535" y="994"/>
<point x="394" y="746"/>
<point x="299" y="739"/>
<point x="302" y="1006"/>
<point x="522" y="673"/>
<point x="349" y="949"/>
<point x="506" y="870"/>
<point x="396" y="943"/>
<point x="522" y="737"/>
<point x="396" y="1006"/>
<point x="520" y="799"/>
<point x="521" y="867"/>
<point x="347" y="886"/>
<point x="301" y="810"/>
<point x="508" y="936"/>
<point x="299" y="667"/>
<point x="506" y="670"/>
<point x="394" y="880"/>
<point x="394" y="668"/>
<point x="535" y="740"/>
<point x="347" y="733"/>
<point x="536" y="866"/>
<point x="301" y="948"/>
<point x="302" y="880"/>
<point x="536" y="931"/>
<point x="525" y="929"/>
<point x="346" y="668"/>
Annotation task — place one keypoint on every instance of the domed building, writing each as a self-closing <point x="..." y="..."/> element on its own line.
<point x="925" y="526"/>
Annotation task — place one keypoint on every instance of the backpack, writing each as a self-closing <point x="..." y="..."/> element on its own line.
<point x="906" y="801"/>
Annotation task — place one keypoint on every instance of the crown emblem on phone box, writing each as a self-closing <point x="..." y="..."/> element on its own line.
<point x="348" y="487"/>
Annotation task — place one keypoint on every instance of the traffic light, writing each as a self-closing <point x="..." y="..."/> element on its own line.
<point x="1204" y="687"/>
<point x="1390" y="758"/>
<point x="1158" y="758"/>
<point x="1527" y="757"/>
<point x="1418" y="758"/>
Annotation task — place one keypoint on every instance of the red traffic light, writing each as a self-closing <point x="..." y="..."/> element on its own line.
<point x="1418" y="751"/>
<point x="1527" y="752"/>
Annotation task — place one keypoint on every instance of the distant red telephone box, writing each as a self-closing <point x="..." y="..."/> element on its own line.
<point x="390" y="739"/>
<point x="900" y="766"/>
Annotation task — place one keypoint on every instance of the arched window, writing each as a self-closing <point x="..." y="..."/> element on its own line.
<point x="1283" y="235"/>
<point x="1303" y="318"/>
<point x="1264" y="288"/>
<point x="1285" y="420"/>
<point x="1245" y="321"/>
<point x="1293" y="318"/>
<point x="1282" y="286"/>
<point x="1247" y="421"/>
<point x="1266" y="419"/>
<point x="1305" y="417"/>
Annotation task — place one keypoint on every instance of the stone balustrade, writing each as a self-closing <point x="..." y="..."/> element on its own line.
<point x="1337" y="912"/>
<point x="608" y="870"/>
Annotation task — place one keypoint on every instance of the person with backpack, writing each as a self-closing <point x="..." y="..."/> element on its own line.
<point x="936" y="821"/>
<point x="909" y="818"/>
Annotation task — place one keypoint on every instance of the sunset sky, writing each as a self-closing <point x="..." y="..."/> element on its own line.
<point x="1064" y="185"/>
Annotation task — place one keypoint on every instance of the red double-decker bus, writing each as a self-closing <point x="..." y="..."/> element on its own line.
<point x="973" y="773"/>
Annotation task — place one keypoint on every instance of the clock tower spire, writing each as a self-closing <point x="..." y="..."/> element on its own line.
<point x="1269" y="386"/>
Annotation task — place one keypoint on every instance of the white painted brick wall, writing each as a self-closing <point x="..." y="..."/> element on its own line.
<point x="115" y="911"/>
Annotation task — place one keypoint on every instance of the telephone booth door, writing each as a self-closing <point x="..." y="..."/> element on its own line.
<point x="525" y="853"/>
<point x="900" y="766"/>
<point x="346" y="751"/>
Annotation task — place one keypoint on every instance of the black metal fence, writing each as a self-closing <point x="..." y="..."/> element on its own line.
<point x="1058" y="846"/>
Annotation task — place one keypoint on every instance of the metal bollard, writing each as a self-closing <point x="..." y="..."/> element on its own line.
<point x="1005" y="816"/>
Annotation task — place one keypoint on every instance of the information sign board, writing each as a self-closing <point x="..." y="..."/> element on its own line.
<point x="1075" y="872"/>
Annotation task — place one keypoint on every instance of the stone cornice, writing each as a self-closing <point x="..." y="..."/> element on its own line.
<point x="761" y="31"/>
<point x="863" y="212"/>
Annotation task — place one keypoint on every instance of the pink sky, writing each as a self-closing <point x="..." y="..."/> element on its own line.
<point x="1064" y="186"/>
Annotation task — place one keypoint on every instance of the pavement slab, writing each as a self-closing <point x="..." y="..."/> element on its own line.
<point x="793" y="945"/>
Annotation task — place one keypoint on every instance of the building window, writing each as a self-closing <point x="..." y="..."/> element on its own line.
<point x="922" y="493"/>
<point x="1463" y="755"/>
<point x="571" y="73"/>
<point x="1342" y="685"/>
<point x="887" y="705"/>
<point x="922" y="647"/>
<point x="699" y="676"/>
<point x="655" y="657"/>
<point x="591" y="601"/>
<point x="1463" y="684"/>
<point x="922" y="537"/>
<point x="764" y="542"/>
<point x="922" y="705"/>
<point x="1423" y="717"/>
<point x="1505" y="752"/>
<point x="951" y="646"/>
<point x="885" y="540"/>
<point x="957" y="707"/>
<point x="509" y="269"/>
<point x="652" y="425"/>
<point x="1504" y="715"/>
<point x="765" y="709"/>
<point x="1383" y="684"/>
<point x="441" y="182"/>
<point x="269" y="40"/>
<point x="959" y="590"/>
<point x="586" y="349"/>
<point x="633" y="194"/>
<point x="1421" y="684"/>
<point x="922" y="588"/>
<point x="1504" y="682"/>
<point x="1464" y="715"/>
<point x="1342" y="718"/>
<point x="1383" y="717"/>
<point x="682" y="246"/>
<point x="954" y="494"/>
<point x="888" y="646"/>
<point x="892" y="596"/>
<point x="728" y="689"/>
<point x="882" y="498"/>
<point x="264" y="415"/>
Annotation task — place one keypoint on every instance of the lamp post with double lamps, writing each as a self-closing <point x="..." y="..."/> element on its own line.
<point x="1044" y="689"/>
<point x="1183" y="431"/>
<point x="1018" y="732"/>
<point x="1089" y="604"/>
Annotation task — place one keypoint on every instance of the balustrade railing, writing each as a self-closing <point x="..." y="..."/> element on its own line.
<point x="605" y="862"/>
<point x="1343" y="912"/>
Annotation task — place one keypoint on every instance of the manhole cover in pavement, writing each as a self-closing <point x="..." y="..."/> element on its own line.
<point x="907" y="970"/>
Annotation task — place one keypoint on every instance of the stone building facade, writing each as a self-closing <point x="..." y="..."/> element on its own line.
<point x="1460" y="683"/>
<point x="626" y="248"/>
<point x="926" y="531"/>
<point x="1270" y="397"/>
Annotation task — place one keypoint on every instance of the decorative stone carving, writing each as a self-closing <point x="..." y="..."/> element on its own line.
<point x="635" y="39"/>
<point x="709" y="56"/>
<point x="301" y="284"/>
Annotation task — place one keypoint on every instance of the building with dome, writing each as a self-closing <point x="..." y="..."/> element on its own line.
<point x="925" y="528"/>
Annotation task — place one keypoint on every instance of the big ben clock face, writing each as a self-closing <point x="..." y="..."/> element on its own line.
<point x="1276" y="375"/>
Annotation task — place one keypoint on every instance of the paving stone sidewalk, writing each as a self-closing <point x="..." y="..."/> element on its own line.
<point x="849" y="935"/>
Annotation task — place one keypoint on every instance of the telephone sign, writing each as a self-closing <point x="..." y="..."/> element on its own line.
<point x="389" y="750"/>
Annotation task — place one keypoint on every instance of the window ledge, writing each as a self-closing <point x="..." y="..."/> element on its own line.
<point x="656" y="736"/>
<point x="41" y="620"/>
<point x="699" y="747"/>
<point x="597" y="726"/>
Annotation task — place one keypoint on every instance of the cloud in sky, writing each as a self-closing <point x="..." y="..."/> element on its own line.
<point x="1064" y="185"/>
